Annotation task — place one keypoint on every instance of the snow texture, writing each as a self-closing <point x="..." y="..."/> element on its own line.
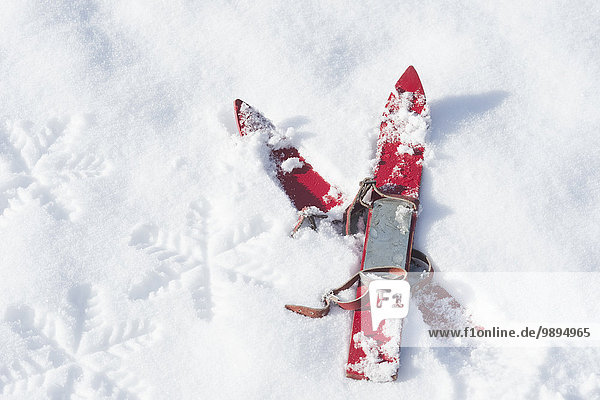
<point x="291" y="164"/>
<point x="405" y="126"/>
<point x="145" y="250"/>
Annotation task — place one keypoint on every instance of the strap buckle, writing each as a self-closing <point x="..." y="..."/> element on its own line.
<point x="307" y="214"/>
<point x="330" y="296"/>
<point x="360" y="203"/>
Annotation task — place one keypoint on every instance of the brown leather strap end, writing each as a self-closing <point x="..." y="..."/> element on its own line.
<point x="308" y="311"/>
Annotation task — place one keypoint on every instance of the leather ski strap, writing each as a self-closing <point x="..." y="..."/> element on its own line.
<point x="360" y="302"/>
<point x="351" y="305"/>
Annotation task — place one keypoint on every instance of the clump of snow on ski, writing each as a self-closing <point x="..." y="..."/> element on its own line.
<point x="380" y="363"/>
<point x="291" y="164"/>
<point x="303" y="185"/>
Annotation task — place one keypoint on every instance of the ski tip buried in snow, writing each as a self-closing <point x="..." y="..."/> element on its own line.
<point x="237" y="107"/>
<point x="249" y="120"/>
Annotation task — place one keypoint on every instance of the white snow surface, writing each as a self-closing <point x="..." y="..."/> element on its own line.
<point x="145" y="249"/>
<point x="291" y="164"/>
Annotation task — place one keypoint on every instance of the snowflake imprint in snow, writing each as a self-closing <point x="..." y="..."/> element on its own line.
<point x="75" y="354"/>
<point x="182" y="257"/>
<point x="38" y="164"/>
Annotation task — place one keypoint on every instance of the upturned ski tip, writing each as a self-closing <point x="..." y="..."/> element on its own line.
<point x="410" y="82"/>
<point x="237" y="106"/>
<point x="237" y="103"/>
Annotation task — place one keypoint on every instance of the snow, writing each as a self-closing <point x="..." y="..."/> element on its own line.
<point x="145" y="249"/>
<point x="414" y="125"/>
<point x="404" y="149"/>
<point x="373" y="366"/>
<point x="291" y="164"/>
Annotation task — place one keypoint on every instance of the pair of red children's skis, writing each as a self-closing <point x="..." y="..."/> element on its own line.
<point x="387" y="204"/>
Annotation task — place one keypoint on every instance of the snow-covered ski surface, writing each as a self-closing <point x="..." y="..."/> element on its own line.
<point x="144" y="246"/>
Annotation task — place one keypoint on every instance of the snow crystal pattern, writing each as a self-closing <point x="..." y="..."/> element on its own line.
<point x="182" y="256"/>
<point x="185" y="263"/>
<point x="76" y="355"/>
<point x="39" y="165"/>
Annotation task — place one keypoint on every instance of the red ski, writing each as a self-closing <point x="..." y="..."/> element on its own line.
<point x="374" y="350"/>
<point x="303" y="185"/>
